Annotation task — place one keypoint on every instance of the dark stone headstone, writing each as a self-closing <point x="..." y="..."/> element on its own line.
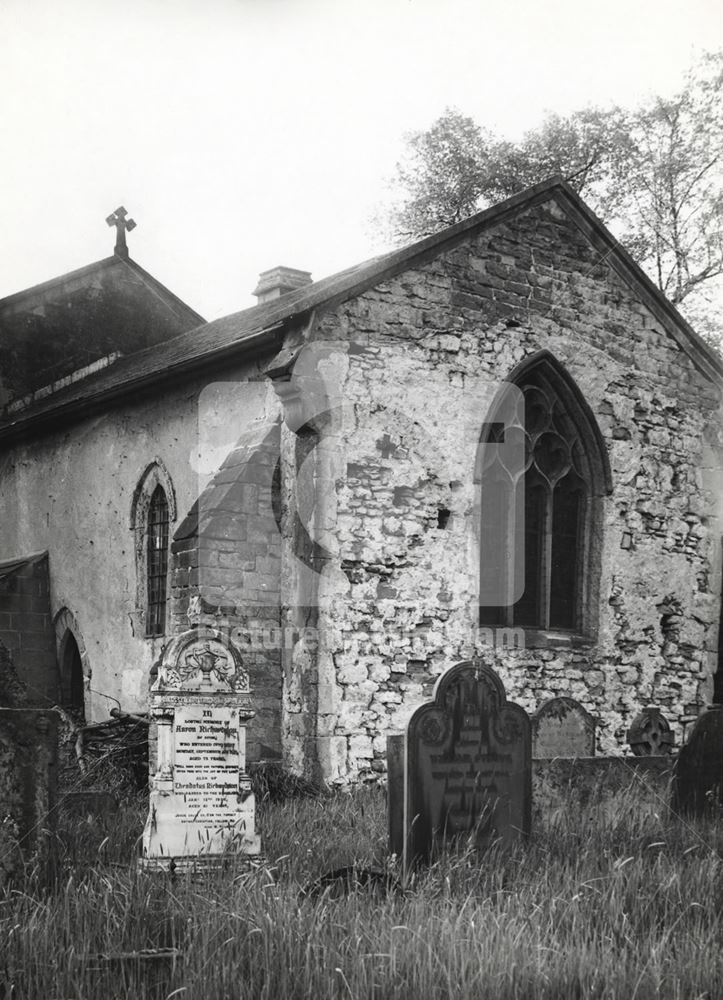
<point x="468" y="766"/>
<point x="13" y="692"/>
<point x="650" y="734"/>
<point x="395" y="793"/>
<point x="698" y="775"/>
<point x="28" y="790"/>
<point x="563" y="728"/>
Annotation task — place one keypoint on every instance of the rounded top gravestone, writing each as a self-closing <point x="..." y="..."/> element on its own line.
<point x="563" y="727"/>
<point x="468" y="765"/>
<point x="698" y="776"/>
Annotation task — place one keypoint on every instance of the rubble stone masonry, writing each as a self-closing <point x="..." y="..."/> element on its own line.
<point x="398" y="504"/>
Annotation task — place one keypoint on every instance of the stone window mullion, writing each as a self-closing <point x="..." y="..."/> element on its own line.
<point x="545" y="568"/>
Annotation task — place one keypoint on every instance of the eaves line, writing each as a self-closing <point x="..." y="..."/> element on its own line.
<point x="59" y="414"/>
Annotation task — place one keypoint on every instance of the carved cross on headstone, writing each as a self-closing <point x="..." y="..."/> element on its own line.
<point x="118" y="219"/>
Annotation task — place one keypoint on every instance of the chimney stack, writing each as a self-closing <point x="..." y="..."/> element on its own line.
<point x="277" y="281"/>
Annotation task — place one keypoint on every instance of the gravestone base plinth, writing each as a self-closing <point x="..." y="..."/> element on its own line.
<point x="201" y="813"/>
<point x="213" y="864"/>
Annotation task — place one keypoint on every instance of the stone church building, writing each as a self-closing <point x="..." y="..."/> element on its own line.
<point x="501" y="441"/>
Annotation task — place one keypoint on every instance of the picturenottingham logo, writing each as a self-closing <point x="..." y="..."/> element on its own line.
<point x="259" y="639"/>
<point x="499" y="637"/>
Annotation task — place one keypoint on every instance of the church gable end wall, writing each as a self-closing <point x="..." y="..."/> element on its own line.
<point x="426" y="346"/>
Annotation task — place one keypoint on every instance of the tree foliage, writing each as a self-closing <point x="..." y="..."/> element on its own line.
<point x="666" y="183"/>
<point x="653" y="173"/>
<point x="579" y="147"/>
<point x="456" y="168"/>
<point x="444" y="176"/>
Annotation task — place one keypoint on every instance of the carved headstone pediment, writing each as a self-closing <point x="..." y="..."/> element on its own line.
<point x="468" y="765"/>
<point x="201" y="660"/>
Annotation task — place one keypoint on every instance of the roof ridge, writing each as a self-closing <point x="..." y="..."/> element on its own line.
<point x="152" y="283"/>
<point x="251" y="328"/>
<point x="43" y="286"/>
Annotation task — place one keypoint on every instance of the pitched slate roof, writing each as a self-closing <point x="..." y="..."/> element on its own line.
<point x="176" y="305"/>
<point x="56" y="328"/>
<point x="260" y="328"/>
<point x="11" y="566"/>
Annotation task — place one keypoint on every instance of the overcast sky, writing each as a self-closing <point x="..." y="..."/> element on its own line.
<point x="241" y="134"/>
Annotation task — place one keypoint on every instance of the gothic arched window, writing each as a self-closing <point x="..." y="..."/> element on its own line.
<point x="543" y="472"/>
<point x="152" y="514"/>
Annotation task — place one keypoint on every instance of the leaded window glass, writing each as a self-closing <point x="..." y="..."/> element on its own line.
<point x="157" y="562"/>
<point x="535" y="518"/>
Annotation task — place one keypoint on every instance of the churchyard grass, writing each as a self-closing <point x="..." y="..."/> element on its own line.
<point x="613" y="897"/>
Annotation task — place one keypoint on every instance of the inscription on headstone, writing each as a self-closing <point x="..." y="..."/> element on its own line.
<point x="698" y="775"/>
<point x="563" y="728"/>
<point x="202" y="806"/>
<point x="650" y="734"/>
<point x="207" y="763"/>
<point x="467" y="766"/>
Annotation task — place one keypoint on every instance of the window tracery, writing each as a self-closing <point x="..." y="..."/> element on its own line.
<point x="539" y="513"/>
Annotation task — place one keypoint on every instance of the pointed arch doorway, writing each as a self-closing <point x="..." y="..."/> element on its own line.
<point x="73" y="667"/>
<point x="71" y="676"/>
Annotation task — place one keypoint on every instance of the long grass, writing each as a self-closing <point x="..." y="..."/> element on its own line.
<point x="613" y="899"/>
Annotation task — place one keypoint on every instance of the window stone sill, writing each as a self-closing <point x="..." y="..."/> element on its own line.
<point x="551" y="639"/>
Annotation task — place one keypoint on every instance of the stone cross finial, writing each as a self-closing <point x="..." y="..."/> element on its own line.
<point x="118" y="219"/>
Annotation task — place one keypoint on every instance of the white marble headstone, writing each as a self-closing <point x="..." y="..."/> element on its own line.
<point x="201" y="805"/>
